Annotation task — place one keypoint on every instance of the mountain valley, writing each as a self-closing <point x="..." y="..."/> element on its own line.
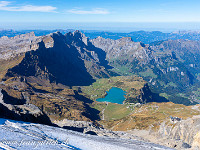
<point x="55" y="80"/>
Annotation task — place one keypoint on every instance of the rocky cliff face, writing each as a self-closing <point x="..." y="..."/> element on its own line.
<point x="186" y="131"/>
<point x="185" y="51"/>
<point x="10" y="47"/>
<point x="124" y="49"/>
<point x="94" y="58"/>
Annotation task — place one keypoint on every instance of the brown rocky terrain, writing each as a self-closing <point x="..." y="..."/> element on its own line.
<point x="169" y="124"/>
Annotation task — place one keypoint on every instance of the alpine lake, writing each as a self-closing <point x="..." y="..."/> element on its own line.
<point x="114" y="95"/>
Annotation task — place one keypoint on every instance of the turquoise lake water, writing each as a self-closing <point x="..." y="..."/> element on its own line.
<point x="114" y="95"/>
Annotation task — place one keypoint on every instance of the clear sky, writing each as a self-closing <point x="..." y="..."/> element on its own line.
<point x="99" y="11"/>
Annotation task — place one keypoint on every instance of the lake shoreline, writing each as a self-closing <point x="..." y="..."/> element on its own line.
<point x="114" y="95"/>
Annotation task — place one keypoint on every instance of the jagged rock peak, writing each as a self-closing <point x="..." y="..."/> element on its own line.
<point x="126" y="39"/>
<point x="21" y="36"/>
<point x="77" y="35"/>
<point x="99" y="38"/>
<point x="78" y="32"/>
<point x="24" y="36"/>
<point x="49" y="39"/>
<point x="55" y="33"/>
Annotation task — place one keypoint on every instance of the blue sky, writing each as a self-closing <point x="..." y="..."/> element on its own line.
<point x="102" y="11"/>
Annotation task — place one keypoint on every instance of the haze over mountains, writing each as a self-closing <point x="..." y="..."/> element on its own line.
<point x="146" y="37"/>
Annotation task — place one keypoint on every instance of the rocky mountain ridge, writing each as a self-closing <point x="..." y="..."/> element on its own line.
<point x="12" y="46"/>
<point x="124" y="47"/>
<point x="86" y="60"/>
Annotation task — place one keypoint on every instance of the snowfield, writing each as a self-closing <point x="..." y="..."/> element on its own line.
<point x="26" y="136"/>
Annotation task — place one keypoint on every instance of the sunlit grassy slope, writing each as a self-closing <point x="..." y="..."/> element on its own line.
<point x="151" y="115"/>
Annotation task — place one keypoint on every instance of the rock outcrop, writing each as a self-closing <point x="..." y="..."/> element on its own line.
<point x="185" y="131"/>
<point x="16" y="109"/>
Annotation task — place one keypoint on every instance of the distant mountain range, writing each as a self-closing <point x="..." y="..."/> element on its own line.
<point x="146" y="37"/>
